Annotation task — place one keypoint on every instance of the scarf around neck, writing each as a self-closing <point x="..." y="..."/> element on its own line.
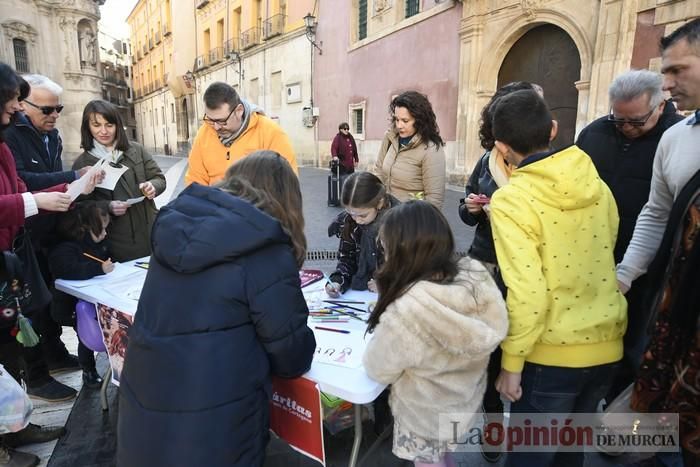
<point x="103" y="152"/>
<point x="248" y="110"/>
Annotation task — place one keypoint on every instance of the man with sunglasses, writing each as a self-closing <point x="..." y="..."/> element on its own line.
<point x="34" y="139"/>
<point x="233" y="128"/>
<point x="622" y="145"/>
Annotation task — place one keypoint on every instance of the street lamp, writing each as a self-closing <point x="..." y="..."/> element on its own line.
<point x="310" y="23"/>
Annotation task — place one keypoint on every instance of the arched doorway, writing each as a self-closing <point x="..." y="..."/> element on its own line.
<point x="547" y="55"/>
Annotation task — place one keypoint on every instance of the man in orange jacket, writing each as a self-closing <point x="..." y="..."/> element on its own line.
<point x="233" y="128"/>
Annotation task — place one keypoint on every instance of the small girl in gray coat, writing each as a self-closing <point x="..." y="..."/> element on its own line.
<point x="435" y="324"/>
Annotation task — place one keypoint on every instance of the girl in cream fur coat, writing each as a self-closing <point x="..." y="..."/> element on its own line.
<point x="435" y="324"/>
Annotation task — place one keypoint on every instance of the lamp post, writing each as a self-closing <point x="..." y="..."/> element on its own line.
<point x="310" y="23"/>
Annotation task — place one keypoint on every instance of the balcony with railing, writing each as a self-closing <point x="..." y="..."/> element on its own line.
<point x="156" y="85"/>
<point x="231" y="46"/>
<point x="274" y="26"/>
<point x="145" y="49"/>
<point x="201" y="3"/>
<point x="216" y="55"/>
<point x="150" y="43"/>
<point x="166" y="30"/>
<point x="250" y="38"/>
<point x="157" y="37"/>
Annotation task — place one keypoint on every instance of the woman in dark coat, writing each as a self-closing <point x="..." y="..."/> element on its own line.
<point x="103" y="137"/>
<point x="344" y="149"/>
<point x="221" y="312"/>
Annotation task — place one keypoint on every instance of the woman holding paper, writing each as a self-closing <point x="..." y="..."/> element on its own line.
<point x="131" y="175"/>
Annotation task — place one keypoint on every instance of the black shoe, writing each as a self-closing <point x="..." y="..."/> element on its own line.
<point x="491" y="457"/>
<point x="91" y="379"/>
<point x="53" y="391"/>
<point x="67" y="363"/>
<point x="33" y="434"/>
<point x="11" y="458"/>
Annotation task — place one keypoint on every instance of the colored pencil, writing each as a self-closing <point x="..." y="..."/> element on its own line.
<point x="342" y="331"/>
<point x="348" y="314"/>
<point x="94" y="258"/>
<point x="343" y="301"/>
<point x="347" y="306"/>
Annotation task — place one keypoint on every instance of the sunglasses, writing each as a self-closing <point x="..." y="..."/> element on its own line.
<point x="220" y="122"/>
<point x="620" y="122"/>
<point x="45" y="109"/>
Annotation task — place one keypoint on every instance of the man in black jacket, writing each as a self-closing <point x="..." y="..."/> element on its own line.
<point x="622" y="146"/>
<point x="37" y="147"/>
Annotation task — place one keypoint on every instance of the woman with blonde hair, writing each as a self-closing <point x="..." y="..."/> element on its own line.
<point x="201" y="356"/>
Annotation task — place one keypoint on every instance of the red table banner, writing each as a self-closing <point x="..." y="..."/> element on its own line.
<point x="296" y="415"/>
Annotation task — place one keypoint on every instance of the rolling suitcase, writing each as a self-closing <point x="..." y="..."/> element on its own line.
<point x="335" y="184"/>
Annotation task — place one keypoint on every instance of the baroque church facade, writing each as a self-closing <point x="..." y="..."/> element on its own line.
<point x="58" y="39"/>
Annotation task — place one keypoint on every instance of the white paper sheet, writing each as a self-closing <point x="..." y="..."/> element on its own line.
<point x="120" y="270"/>
<point x="112" y="175"/>
<point x="76" y="188"/>
<point x="131" y="201"/>
<point x="336" y="348"/>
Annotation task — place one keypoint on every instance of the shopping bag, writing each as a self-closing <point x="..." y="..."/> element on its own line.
<point x="15" y="405"/>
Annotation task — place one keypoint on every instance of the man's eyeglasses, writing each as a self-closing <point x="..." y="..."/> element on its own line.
<point x="621" y="121"/>
<point x="45" y="109"/>
<point x="221" y="122"/>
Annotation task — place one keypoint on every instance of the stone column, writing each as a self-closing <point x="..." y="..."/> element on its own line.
<point x="471" y="99"/>
<point x="614" y="44"/>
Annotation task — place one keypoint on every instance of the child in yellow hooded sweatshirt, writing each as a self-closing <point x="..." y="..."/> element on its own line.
<point x="554" y="228"/>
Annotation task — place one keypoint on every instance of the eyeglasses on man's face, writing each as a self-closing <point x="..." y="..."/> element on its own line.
<point x="45" y="109"/>
<point x="620" y="122"/>
<point x="218" y="121"/>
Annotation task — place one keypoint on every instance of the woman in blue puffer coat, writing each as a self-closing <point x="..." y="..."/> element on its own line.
<point x="221" y="311"/>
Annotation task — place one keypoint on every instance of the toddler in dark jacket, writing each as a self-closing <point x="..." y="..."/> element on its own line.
<point x="80" y="254"/>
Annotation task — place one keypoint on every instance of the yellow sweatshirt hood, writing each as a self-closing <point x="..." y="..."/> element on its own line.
<point x="563" y="180"/>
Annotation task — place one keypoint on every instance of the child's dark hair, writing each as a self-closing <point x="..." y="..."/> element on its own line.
<point x="522" y="120"/>
<point x="418" y="245"/>
<point x="85" y="217"/>
<point x="485" y="133"/>
<point x="363" y="190"/>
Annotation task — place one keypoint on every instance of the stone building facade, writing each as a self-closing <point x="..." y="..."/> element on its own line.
<point x="460" y="52"/>
<point x="56" y="38"/>
<point x="572" y="48"/>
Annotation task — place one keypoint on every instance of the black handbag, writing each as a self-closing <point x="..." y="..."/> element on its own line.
<point x="40" y="293"/>
<point x="14" y="293"/>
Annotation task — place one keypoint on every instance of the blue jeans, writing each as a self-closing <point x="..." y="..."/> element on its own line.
<point x="553" y="389"/>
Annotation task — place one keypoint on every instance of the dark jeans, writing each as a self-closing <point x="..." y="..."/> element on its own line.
<point x="552" y="389"/>
<point x="492" y="398"/>
<point x="50" y="348"/>
<point x="86" y="357"/>
<point x="639" y="316"/>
